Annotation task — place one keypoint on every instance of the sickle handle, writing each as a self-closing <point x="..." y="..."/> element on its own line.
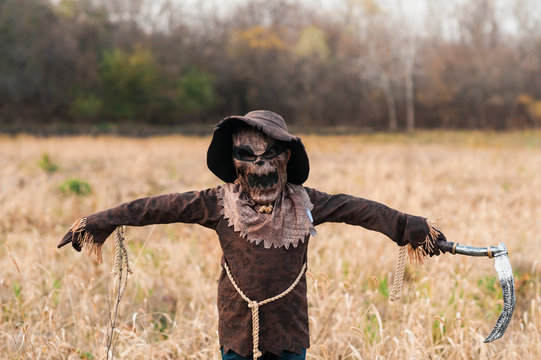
<point x="446" y="246"/>
<point x="455" y="248"/>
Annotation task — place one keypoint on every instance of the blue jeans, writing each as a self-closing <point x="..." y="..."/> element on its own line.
<point x="286" y="355"/>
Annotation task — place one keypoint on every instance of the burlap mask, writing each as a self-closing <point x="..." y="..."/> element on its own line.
<point x="261" y="163"/>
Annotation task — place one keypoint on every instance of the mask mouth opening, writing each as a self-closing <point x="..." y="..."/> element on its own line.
<point x="263" y="181"/>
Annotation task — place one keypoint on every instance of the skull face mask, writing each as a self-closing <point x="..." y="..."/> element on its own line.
<point x="261" y="163"/>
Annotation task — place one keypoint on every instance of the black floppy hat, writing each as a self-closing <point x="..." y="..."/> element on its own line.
<point x="219" y="154"/>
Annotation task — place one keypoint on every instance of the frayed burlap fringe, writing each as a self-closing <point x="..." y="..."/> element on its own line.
<point x="287" y="225"/>
<point x="85" y="239"/>
<point x="421" y="253"/>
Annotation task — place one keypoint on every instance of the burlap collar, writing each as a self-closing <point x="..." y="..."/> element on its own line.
<point x="289" y="222"/>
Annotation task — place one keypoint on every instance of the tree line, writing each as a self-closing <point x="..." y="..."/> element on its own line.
<point x="365" y="63"/>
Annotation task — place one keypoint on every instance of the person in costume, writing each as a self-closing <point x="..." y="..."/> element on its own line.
<point x="264" y="217"/>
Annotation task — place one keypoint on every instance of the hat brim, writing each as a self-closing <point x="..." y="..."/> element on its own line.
<point x="220" y="151"/>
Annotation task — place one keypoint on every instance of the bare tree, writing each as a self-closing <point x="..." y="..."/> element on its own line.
<point x="379" y="67"/>
<point x="408" y="52"/>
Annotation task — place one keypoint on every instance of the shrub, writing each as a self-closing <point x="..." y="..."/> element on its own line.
<point x="76" y="187"/>
<point x="46" y="164"/>
<point x="130" y="82"/>
<point x="87" y="106"/>
<point x="195" y="90"/>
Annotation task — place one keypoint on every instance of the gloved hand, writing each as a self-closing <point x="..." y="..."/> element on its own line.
<point x="420" y="232"/>
<point x="90" y="230"/>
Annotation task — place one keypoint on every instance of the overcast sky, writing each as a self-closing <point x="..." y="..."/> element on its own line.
<point x="415" y="10"/>
<point x="411" y="7"/>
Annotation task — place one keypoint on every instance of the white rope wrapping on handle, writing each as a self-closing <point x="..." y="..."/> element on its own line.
<point x="254" y="306"/>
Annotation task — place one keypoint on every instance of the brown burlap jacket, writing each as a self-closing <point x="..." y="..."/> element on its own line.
<point x="261" y="273"/>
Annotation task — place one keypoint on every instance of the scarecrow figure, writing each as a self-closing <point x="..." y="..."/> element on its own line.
<point x="264" y="218"/>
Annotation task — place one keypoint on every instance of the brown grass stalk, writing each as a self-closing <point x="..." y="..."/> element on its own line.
<point x="121" y="269"/>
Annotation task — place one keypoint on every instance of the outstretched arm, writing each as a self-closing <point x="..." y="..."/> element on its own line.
<point x="190" y="207"/>
<point x="400" y="227"/>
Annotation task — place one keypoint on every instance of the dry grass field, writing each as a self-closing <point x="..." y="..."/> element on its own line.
<point x="486" y="187"/>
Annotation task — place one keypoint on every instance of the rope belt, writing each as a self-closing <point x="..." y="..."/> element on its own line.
<point x="254" y="305"/>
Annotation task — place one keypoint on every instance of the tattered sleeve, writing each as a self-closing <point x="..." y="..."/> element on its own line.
<point x="199" y="207"/>
<point x="358" y="211"/>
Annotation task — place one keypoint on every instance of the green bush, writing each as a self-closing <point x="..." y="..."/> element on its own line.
<point x="46" y="164"/>
<point x="130" y="83"/>
<point x="87" y="106"/>
<point x="195" y="90"/>
<point x="75" y="186"/>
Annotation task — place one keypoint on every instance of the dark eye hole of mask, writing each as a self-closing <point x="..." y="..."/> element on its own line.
<point x="245" y="153"/>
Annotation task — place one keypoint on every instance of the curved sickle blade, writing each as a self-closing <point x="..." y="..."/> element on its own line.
<point x="505" y="274"/>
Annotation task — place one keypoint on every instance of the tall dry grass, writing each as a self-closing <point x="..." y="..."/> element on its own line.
<point x="486" y="187"/>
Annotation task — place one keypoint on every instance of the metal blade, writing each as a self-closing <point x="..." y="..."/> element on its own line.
<point x="505" y="274"/>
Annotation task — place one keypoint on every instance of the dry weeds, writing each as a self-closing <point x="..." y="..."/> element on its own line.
<point x="486" y="187"/>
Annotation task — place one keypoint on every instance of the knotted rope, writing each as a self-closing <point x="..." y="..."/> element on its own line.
<point x="396" y="291"/>
<point x="254" y="306"/>
<point x="416" y="256"/>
